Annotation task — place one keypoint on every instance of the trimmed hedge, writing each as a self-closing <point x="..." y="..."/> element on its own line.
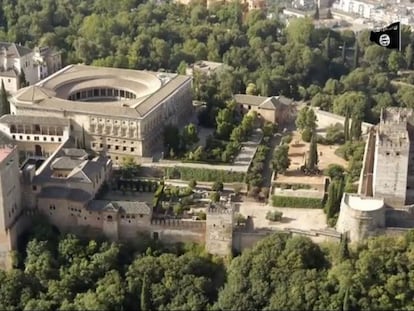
<point x="201" y="174"/>
<point x="298" y="202"/>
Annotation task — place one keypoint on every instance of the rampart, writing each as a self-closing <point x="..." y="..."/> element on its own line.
<point x="360" y="216"/>
<point x="327" y="118"/>
<point x="178" y="230"/>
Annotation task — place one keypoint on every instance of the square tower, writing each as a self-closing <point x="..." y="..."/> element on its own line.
<point x="392" y="154"/>
<point x="10" y="201"/>
<point x="219" y="231"/>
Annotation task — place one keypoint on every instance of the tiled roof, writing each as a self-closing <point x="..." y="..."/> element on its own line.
<point x="76" y="195"/>
<point x="28" y="119"/>
<point x="127" y="207"/>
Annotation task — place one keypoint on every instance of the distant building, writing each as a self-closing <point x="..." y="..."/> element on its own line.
<point x="365" y="9"/>
<point x="36" y="64"/>
<point x="205" y="67"/>
<point x="275" y="109"/>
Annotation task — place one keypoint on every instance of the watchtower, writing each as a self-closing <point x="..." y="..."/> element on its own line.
<point x="219" y="230"/>
<point x="10" y="203"/>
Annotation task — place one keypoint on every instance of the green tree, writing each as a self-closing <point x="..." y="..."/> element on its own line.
<point x="306" y="119"/>
<point x="189" y="136"/>
<point x="300" y="30"/>
<point x="316" y="15"/>
<point x="408" y="55"/>
<point x="129" y="167"/>
<point x="4" y="102"/>
<point x="281" y="161"/>
<point x="172" y="139"/>
<point x="344" y="53"/>
<point x="145" y="295"/>
<point x="346" y="126"/>
<point x="214" y="196"/>
<point x="217" y="186"/>
<point x="395" y="61"/>
<point x="356" y="130"/>
<point x="356" y="55"/>
<point x="312" y="161"/>
<point x="251" y="89"/>
<point x="192" y="183"/>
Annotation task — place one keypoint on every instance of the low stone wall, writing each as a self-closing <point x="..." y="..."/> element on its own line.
<point x="327" y="118"/>
<point x="303" y="193"/>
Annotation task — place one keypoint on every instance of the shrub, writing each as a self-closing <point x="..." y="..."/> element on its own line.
<point x="187" y="173"/>
<point x="298" y="202"/>
<point x="306" y="135"/>
<point x="287" y="139"/>
<point x="274" y="215"/>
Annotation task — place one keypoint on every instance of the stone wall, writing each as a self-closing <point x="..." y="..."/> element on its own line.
<point x="360" y="217"/>
<point x="219" y="231"/>
<point x="326" y="119"/>
<point x="177" y="230"/>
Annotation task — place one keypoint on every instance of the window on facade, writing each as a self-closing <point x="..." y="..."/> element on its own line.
<point x="14" y="136"/>
<point x="52" y="139"/>
<point x="124" y="148"/>
<point x="397" y="153"/>
<point x="132" y="149"/>
<point x="155" y="236"/>
<point x="12" y="128"/>
<point x="140" y="215"/>
<point x="116" y="147"/>
<point x="34" y="188"/>
<point x="36" y="138"/>
<point x="20" y="137"/>
<point x="122" y="93"/>
<point x="59" y="139"/>
<point x="28" y="137"/>
<point x="387" y="153"/>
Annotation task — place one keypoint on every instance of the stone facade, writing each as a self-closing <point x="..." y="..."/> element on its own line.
<point x="219" y="231"/>
<point x="384" y="196"/>
<point x="118" y="117"/>
<point x="393" y="150"/>
<point x="36" y="64"/>
<point x="10" y="202"/>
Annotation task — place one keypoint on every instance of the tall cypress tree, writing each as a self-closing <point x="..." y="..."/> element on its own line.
<point x="344" y="53"/>
<point x="313" y="153"/>
<point x="316" y="15"/>
<point x="346" y="126"/>
<point x="330" y="202"/>
<point x="328" y="46"/>
<point x="145" y="295"/>
<point x="4" y="102"/>
<point x="345" y="303"/>
<point x="356" y="54"/>
<point x="343" y="247"/>
<point x="356" y="128"/>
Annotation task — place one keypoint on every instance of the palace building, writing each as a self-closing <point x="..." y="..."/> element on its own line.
<point x="114" y="112"/>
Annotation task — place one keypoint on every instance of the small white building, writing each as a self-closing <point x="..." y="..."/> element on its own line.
<point x="364" y="9"/>
<point x="36" y="64"/>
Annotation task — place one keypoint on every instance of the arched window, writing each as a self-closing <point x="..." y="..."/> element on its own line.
<point x="109" y="218"/>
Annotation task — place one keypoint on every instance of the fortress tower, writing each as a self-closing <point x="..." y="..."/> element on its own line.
<point x="10" y="203"/>
<point x="219" y="231"/>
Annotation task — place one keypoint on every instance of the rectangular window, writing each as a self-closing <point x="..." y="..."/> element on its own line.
<point x="116" y="147"/>
<point x="36" y="138"/>
<point x="124" y="148"/>
<point x="52" y="139"/>
<point x="28" y="137"/>
<point x="95" y="92"/>
<point x="132" y="149"/>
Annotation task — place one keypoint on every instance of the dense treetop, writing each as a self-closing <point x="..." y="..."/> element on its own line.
<point x="299" y="61"/>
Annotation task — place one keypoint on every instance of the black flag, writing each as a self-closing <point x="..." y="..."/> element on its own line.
<point x="388" y="37"/>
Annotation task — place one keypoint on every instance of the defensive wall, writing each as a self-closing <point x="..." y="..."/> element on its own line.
<point x="178" y="230"/>
<point x="326" y="119"/>
<point x="360" y="217"/>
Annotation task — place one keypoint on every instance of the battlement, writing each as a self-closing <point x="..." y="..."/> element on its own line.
<point x="219" y="211"/>
<point x="396" y="115"/>
<point x="178" y="223"/>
